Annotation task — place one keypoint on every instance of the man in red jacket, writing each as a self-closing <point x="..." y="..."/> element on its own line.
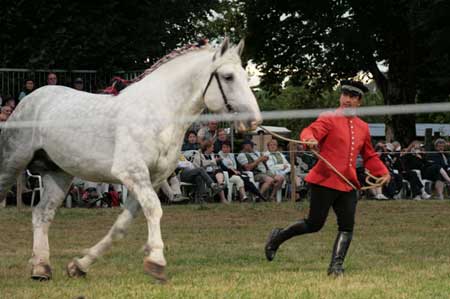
<point x="341" y="137"/>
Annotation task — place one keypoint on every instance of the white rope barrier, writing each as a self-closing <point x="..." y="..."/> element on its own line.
<point x="266" y="115"/>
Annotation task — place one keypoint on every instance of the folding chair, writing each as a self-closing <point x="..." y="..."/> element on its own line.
<point x="39" y="188"/>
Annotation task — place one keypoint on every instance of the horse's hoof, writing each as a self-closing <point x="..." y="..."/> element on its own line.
<point x="156" y="271"/>
<point x="74" y="271"/>
<point x="41" y="272"/>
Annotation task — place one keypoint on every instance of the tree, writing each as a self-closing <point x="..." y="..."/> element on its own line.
<point x="97" y="35"/>
<point x="293" y="97"/>
<point x="318" y="42"/>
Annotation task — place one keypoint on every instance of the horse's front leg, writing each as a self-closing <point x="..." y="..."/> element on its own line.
<point x="140" y="186"/>
<point x="143" y="194"/>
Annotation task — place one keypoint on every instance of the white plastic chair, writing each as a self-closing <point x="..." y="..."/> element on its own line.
<point x="189" y="155"/>
<point x="230" y="186"/>
<point x="424" y="182"/>
<point x="39" y="189"/>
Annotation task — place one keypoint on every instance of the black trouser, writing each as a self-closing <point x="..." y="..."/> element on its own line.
<point x="414" y="181"/>
<point x="343" y="203"/>
<point x="432" y="172"/>
<point x="198" y="177"/>
<point x="394" y="186"/>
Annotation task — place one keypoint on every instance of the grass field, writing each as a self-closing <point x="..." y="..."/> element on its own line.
<point x="401" y="249"/>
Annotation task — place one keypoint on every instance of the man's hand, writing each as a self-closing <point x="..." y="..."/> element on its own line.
<point x="385" y="179"/>
<point x="312" y="144"/>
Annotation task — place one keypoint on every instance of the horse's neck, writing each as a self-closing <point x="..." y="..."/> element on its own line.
<point x="175" y="90"/>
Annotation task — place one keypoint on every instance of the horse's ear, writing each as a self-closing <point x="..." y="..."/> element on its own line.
<point x="240" y="47"/>
<point x="223" y="48"/>
<point x="225" y="45"/>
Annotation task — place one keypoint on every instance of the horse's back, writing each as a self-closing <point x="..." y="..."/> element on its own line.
<point x="54" y="101"/>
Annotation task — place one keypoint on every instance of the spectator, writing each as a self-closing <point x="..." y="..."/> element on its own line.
<point x="5" y="112"/>
<point x="256" y="163"/>
<point x="208" y="133"/>
<point x="221" y="138"/>
<point x="52" y="79"/>
<point x="388" y="191"/>
<point x="10" y="101"/>
<point x="441" y="159"/>
<point x="171" y="188"/>
<point x="396" y="146"/>
<point x="191" y="144"/>
<point x="28" y="88"/>
<point x="190" y="174"/>
<point x="207" y="160"/>
<point x="278" y="165"/>
<point x="413" y="160"/>
<point x="78" y="84"/>
<point x="305" y="159"/>
<point x="242" y="181"/>
<point x="395" y="185"/>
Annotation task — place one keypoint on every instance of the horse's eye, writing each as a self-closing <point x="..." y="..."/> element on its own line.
<point x="228" y="77"/>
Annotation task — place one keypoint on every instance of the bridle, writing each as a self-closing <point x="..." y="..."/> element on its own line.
<point x="224" y="97"/>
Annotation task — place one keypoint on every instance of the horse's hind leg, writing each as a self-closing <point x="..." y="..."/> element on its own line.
<point x="79" y="266"/>
<point x="8" y="176"/>
<point x="13" y="160"/>
<point x="56" y="184"/>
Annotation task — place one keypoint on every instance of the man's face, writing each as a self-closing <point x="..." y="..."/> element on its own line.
<point x="440" y="147"/>
<point x="226" y="148"/>
<point x="7" y="110"/>
<point x="192" y="138"/>
<point x="247" y="148"/>
<point x="11" y="103"/>
<point x="349" y="100"/>
<point x="212" y="125"/>
<point x="29" y="85"/>
<point x="272" y="146"/>
<point x="51" y="79"/>
<point x="78" y="85"/>
<point x="222" y="136"/>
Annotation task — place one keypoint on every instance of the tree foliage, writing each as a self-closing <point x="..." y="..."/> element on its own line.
<point x="299" y="97"/>
<point x="97" y="35"/>
<point x="317" y="43"/>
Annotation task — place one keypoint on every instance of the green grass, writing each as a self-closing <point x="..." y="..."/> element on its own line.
<point x="400" y="250"/>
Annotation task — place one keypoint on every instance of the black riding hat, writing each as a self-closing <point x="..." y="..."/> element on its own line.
<point x="355" y="88"/>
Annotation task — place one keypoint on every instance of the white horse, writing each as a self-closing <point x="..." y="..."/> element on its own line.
<point x="135" y="142"/>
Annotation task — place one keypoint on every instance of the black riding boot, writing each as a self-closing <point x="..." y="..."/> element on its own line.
<point x="340" y="248"/>
<point x="278" y="236"/>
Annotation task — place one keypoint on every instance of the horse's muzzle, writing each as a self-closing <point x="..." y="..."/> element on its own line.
<point x="250" y="125"/>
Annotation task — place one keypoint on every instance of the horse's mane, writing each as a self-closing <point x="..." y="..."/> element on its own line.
<point x="119" y="84"/>
<point x="175" y="53"/>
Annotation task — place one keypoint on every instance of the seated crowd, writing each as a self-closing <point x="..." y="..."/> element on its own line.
<point x="414" y="171"/>
<point x="208" y="164"/>
<point x="8" y="102"/>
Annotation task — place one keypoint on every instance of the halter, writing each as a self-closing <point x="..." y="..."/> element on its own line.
<point x="225" y="99"/>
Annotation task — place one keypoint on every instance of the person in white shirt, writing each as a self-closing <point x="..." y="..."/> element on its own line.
<point x="277" y="164"/>
<point x="255" y="162"/>
<point x="229" y="164"/>
<point x="206" y="159"/>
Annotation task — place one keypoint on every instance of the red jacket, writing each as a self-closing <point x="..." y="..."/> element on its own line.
<point x="341" y="138"/>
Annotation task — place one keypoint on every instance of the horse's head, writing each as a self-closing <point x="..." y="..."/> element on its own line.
<point x="227" y="90"/>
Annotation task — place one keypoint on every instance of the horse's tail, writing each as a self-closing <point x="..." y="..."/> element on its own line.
<point x="16" y="147"/>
